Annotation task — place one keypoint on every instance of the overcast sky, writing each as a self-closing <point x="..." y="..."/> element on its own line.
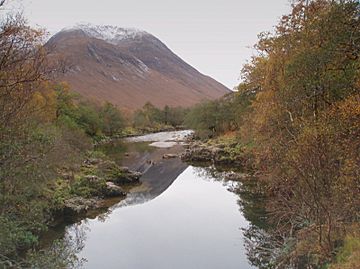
<point x="214" y="36"/>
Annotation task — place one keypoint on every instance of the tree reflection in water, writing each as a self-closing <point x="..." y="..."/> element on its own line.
<point x="262" y="246"/>
<point x="258" y="242"/>
<point x="63" y="252"/>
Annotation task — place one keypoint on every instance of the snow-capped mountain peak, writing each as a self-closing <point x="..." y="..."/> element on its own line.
<point x="111" y="34"/>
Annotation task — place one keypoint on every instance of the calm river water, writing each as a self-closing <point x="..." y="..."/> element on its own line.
<point x="193" y="222"/>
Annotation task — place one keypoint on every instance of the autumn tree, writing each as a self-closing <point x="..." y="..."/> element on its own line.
<point x="304" y="74"/>
<point x="32" y="146"/>
<point x="298" y="106"/>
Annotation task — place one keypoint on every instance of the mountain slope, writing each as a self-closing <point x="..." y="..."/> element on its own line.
<point x="129" y="67"/>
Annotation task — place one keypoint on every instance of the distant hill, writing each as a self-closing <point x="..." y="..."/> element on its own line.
<point x="129" y="67"/>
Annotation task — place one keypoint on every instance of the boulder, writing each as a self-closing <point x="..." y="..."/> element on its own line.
<point x="67" y="175"/>
<point x="91" y="161"/>
<point x="113" y="190"/>
<point x="92" y="178"/>
<point x="77" y="205"/>
<point x="127" y="177"/>
<point x="169" y="156"/>
<point x="124" y="169"/>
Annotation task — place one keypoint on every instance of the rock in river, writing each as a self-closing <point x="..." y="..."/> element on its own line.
<point x="113" y="190"/>
<point x="126" y="176"/>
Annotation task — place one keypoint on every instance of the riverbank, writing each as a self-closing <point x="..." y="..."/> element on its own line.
<point x="97" y="179"/>
<point x="226" y="153"/>
<point x="222" y="152"/>
<point x="108" y="176"/>
<point x="102" y="176"/>
<point x="118" y="171"/>
<point x="160" y="164"/>
<point x="160" y="158"/>
<point x="196" y="216"/>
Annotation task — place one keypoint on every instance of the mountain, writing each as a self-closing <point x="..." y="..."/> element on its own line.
<point x="129" y="67"/>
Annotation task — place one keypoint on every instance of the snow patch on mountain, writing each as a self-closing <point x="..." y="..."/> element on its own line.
<point x="143" y="67"/>
<point x="109" y="33"/>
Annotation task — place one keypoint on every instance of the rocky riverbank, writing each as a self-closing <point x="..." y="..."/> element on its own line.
<point x="98" y="179"/>
<point x="215" y="152"/>
<point x="101" y="178"/>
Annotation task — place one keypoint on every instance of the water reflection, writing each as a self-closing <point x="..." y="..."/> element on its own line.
<point x="118" y="150"/>
<point x="63" y="253"/>
<point x="260" y="244"/>
<point x="194" y="224"/>
<point x="200" y="221"/>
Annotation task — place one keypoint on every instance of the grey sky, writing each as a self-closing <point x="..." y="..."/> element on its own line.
<point x="214" y="36"/>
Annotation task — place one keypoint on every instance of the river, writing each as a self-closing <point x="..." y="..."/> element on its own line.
<point x="181" y="217"/>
